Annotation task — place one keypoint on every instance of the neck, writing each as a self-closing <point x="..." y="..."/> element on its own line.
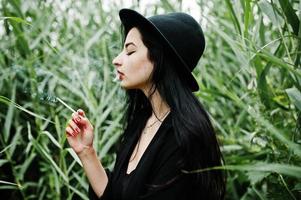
<point x="159" y="106"/>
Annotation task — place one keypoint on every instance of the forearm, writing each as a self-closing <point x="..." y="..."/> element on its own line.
<point x="94" y="170"/>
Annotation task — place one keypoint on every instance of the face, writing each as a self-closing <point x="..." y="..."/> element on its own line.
<point x="133" y="63"/>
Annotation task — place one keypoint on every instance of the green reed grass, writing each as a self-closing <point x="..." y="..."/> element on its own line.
<point x="249" y="79"/>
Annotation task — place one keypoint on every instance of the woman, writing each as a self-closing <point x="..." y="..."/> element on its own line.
<point x="167" y="131"/>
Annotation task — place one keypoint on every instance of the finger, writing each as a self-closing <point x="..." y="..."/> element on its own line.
<point x="73" y="125"/>
<point x="69" y="131"/>
<point x="68" y="134"/>
<point x="75" y="117"/>
<point x="80" y="120"/>
<point x="81" y="112"/>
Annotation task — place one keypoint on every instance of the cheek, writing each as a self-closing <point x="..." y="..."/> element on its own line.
<point x="140" y="70"/>
<point x="144" y="71"/>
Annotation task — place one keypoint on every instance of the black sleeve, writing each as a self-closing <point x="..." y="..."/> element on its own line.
<point x="92" y="195"/>
<point x="168" y="182"/>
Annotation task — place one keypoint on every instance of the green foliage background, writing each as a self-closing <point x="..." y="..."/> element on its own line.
<point x="249" y="77"/>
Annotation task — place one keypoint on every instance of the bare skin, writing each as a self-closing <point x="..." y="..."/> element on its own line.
<point x="136" y="68"/>
<point x="160" y="111"/>
<point x="80" y="136"/>
<point x="133" y="62"/>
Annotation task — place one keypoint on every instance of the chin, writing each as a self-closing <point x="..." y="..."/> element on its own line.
<point x="127" y="86"/>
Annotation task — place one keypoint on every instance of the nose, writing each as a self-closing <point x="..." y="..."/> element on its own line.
<point x="117" y="61"/>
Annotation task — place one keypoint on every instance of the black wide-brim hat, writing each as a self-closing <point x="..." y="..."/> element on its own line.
<point x="179" y="32"/>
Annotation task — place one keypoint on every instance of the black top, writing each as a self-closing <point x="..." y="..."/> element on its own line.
<point x="157" y="175"/>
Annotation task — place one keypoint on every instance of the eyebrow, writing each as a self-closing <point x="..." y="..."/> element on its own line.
<point x="127" y="44"/>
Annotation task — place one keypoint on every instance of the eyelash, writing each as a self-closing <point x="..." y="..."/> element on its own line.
<point x="130" y="53"/>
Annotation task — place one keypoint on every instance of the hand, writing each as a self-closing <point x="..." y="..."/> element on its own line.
<point x="79" y="132"/>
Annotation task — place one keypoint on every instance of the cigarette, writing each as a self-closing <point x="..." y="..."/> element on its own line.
<point x="116" y="77"/>
<point x="60" y="100"/>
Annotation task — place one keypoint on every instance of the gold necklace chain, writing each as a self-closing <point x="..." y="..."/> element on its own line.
<point x="144" y="132"/>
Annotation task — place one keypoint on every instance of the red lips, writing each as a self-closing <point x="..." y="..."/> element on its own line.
<point x="120" y="72"/>
<point x="120" y="75"/>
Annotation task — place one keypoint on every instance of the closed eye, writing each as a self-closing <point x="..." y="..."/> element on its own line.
<point x="130" y="53"/>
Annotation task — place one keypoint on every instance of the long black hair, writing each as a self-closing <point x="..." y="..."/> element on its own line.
<point x="194" y="131"/>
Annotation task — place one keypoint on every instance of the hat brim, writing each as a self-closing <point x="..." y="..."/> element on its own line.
<point x="130" y="18"/>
